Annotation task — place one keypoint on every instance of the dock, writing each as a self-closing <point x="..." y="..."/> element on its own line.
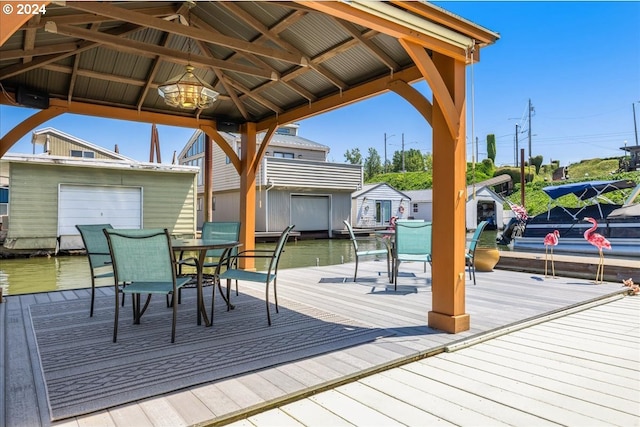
<point x="502" y="303"/>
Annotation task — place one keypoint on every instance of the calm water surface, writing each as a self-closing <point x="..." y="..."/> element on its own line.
<point x="42" y="274"/>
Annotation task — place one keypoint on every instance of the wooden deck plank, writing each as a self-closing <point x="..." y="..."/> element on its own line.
<point x="502" y="390"/>
<point x="351" y="410"/>
<point x="455" y="405"/>
<point x="385" y="402"/>
<point x="309" y="412"/>
<point x="275" y="417"/>
<point x="538" y="362"/>
<point x="500" y="298"/>
<point x="556" y="381"/>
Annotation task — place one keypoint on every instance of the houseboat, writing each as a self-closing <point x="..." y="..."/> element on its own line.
<point x="618" y="223"/>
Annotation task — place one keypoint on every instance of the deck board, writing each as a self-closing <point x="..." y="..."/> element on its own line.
<point x="500" y="298"/>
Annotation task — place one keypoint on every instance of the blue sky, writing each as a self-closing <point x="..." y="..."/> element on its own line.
<point x="578" y="63"/>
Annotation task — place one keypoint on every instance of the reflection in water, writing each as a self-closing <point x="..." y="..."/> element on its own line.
<point x="42" y="274"/>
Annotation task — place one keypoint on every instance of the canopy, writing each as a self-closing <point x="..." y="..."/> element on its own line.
<point x="587" y="190"/>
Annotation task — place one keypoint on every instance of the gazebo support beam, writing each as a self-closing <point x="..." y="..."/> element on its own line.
<point x="449" y="202"/>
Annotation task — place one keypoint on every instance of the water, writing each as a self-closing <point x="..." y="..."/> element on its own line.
<point x="43" y="274"/>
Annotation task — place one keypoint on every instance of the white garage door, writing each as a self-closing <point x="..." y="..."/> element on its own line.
<point x="310" y="213"/>
<point x="86" y="204"/>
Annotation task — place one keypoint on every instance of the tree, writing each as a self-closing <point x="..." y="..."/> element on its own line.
<point x="413" y="161"/>
<point x="372" y="164"/>
<point x="537" y="162"/>
<point x="491" y="147"/>
<point x="353" y="156"/>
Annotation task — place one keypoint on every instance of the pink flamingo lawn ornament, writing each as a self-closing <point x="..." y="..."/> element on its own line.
<point x="599" y="241"/>
<point x="550" y="240"/>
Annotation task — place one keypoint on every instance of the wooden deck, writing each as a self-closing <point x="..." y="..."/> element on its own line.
<point x="500" y="303"/>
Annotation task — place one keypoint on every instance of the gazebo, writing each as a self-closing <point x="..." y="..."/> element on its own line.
<point x="251" y="67"/>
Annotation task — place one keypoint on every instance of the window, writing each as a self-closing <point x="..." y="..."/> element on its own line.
<point x="85" y="154"/>
<point x="283" y="155"/>
<point x="415" y="208"/>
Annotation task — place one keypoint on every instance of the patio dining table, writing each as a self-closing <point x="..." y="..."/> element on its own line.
<point x="201" y="246"/>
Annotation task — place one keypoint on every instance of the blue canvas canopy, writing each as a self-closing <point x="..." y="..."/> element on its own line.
<point x="587" y="190"/>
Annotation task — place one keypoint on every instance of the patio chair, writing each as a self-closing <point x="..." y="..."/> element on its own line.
<point x="471" y="251"/>
<point x="98" y="255"/>
<point x="412" y="244"/>
<point x="273" y="255"/>
<point x="214" y="230"/>
<point x="144" y="260"/>
<point x="363" y="253"/>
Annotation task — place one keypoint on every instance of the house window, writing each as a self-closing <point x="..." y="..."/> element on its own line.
<point x="283" y="155"/>
<point x="85" y="154"/>
<point x="415" y="208"/>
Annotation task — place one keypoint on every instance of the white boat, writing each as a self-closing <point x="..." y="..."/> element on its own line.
<point x="618" y="223"/>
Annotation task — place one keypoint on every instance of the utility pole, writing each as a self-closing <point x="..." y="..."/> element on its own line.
<point x="530" y="111"/>
<point x="385" y="150"/>
<point x="516" y="156"/>
<point x="477" y="155"/>
<point x="403" y="169"/>
<point x="635" y="127"/>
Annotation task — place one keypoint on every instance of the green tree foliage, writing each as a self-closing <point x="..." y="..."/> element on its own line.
<point x="482" y="171"/>
<point x="353" y="156"/>
<point x="491" y="147"/>
<point x="413" y="161"/>
<point x="405" y="181"/>
<point x="537" y="162"/>
<point x="372" y="164"/>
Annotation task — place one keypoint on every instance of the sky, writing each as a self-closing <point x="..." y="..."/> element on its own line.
<point x="577" y="63"/>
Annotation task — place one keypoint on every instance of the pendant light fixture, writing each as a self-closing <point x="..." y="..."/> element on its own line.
<point x="188" y="91"/>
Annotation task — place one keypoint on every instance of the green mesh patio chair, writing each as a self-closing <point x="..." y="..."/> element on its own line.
<point x="273" y="255"/>
<point x="213" y="230"/>
<point x="412" y="244"/>
<point x="95" y="243"/>
<point x="370" y="252"/>
<point x="144" y="260"/>
<point x="470" y="255"/>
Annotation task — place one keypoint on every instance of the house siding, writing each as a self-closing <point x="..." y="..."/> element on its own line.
<point x="168" y="199"/>
<point x="62" y="147"/>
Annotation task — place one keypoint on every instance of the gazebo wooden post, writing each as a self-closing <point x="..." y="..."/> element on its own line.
<point x="248" y="191"/>
<point x="449" y="200"/>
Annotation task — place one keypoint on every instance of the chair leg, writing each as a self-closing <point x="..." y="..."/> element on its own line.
<point x="93" y="295"/>
<point x="173" y="323"/>
<point x="266" y="298"/>
<point x="355" y="274"/>
<point x="473" y="266"/>
<point x="275" y="294"/>
<point x="216" y="283"/>
<point x="115" y="323"/>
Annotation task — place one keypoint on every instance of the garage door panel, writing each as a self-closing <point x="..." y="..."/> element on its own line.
<point x="85" y="204"/>
<point x="310" y="213"/>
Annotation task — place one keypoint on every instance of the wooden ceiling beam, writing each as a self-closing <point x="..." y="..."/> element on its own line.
<point x="90" y="18"/>
<point x="346" y="12"/>
<point x="149" y="50"/>
<point x="350" y="96"/>
<point x="192" y="32"/>
<point x="255" y="96"/>
<point x="39" y="51"/>
<point x="5" y="73"/>
<point x="366" y="42"/>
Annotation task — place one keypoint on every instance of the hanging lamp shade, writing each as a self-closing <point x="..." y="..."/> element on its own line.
<point x="187" y="91"/>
